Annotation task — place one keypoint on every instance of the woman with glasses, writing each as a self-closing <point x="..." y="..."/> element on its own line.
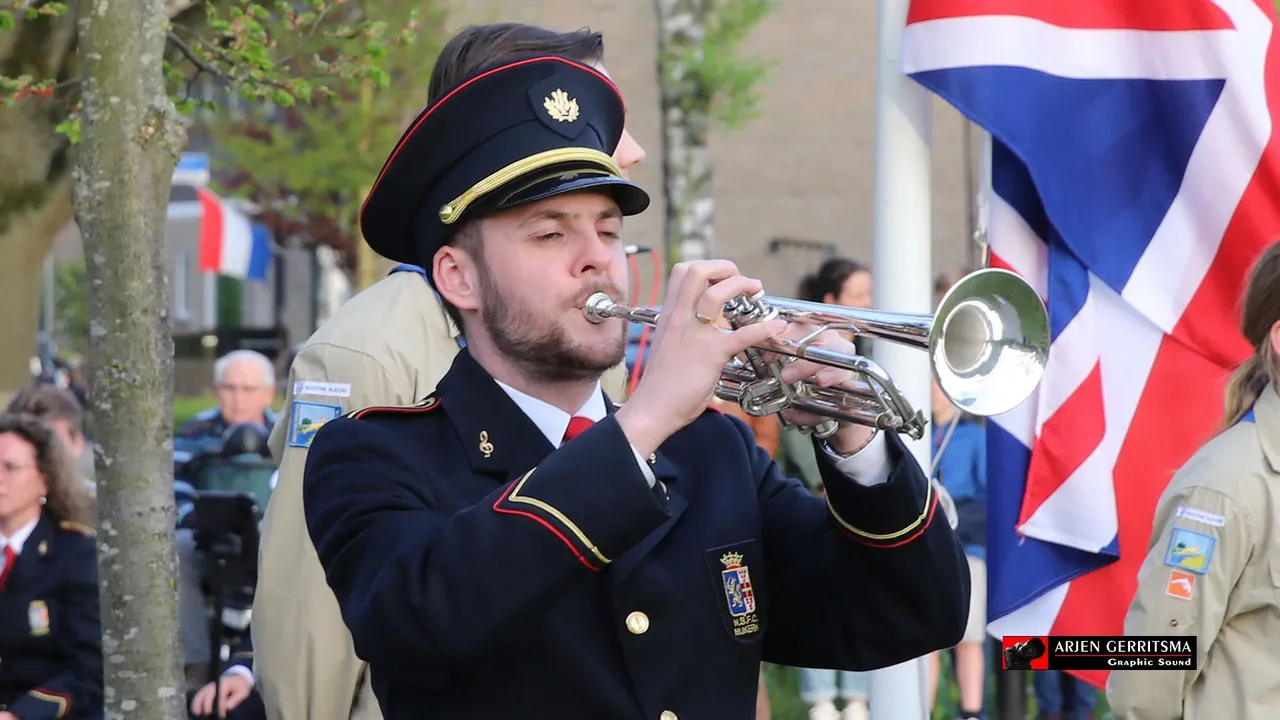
<point x="50" y="633"/>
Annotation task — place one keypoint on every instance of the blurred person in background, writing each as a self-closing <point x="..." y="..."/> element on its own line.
<point x="50" y="629"/>
<point x="244" y="382"/>
<point x="387" y="346"/>
<point x="76" y="382"/>
<point x="233" y="691"/>
<point x="61" y="410"/>
<point x="838" y="281"/>
<point x="1212" y="570"/>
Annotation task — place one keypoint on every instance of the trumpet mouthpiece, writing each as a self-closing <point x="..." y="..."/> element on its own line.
<point x="599" y="307"/>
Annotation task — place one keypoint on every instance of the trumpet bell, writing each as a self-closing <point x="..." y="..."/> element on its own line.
<point x="989" y="343"/>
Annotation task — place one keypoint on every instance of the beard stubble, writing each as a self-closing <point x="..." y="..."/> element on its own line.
<point x="542" y="348"/>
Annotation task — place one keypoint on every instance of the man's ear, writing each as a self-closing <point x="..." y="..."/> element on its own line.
<point x="457" y="281"/>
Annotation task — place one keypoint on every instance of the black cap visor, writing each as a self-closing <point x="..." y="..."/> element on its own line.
<point x="631" y="199"/>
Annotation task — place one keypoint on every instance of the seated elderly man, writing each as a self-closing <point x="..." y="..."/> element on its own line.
<point x="245" y="384"/>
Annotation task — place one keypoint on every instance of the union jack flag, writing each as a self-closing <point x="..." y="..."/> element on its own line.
<point x="1135" y="179"/>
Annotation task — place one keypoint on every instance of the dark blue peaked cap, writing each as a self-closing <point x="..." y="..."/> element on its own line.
<point x="510" y="134"/>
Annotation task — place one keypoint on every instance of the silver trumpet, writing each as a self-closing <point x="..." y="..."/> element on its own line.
<point x="988" y="344"/>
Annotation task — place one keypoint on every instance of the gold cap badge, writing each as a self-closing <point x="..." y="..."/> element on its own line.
<point x="560" y="106"/>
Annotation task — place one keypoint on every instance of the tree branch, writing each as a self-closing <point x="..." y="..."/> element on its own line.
<point x="190" y="54"/>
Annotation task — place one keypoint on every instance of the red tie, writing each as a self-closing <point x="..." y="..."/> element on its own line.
<point x="576" y="426"/>
<point x="10" y="557"/>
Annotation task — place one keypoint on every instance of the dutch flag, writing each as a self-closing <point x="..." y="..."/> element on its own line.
<point x="229" y="243"/>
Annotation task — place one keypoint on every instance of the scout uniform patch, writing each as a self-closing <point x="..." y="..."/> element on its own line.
<point x="306" y="419"/>
<point x="38" y="617"/>
<point x="1208" y="518"/>
<point x="1180" y="585"/>
<point x="326" y="389"/>
<point x="1189" y="550"/>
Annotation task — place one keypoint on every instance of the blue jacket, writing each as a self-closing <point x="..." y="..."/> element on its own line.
<point x="50" y="627"/>
<point x="962" y="470"/>
<point x="485" y="575"/>
<point x="209" y="424"/>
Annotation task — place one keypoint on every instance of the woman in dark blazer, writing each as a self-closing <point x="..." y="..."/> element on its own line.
<point x="50" y="632"/>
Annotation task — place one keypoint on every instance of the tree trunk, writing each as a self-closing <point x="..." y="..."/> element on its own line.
<point x="686" y="125"/>
<point x="35" y="197"/>
<point x="131" y="137"/>
<point x="26" y="239"/>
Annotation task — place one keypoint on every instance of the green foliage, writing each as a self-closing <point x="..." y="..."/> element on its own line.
<point x="281" y="52"/>
<point x="230" y="302"/>
<point x="316" y="158"/>
<point x="733" y="77"/>
<point x="71" y="307"/>
<point x="29" y="11"/>
<point x="186" y="407"/>
<point x="719" y="81"/>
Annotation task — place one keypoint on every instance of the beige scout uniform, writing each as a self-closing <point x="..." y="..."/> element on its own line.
<point x="388" y="345"/>
<point x="1213" y="572"/>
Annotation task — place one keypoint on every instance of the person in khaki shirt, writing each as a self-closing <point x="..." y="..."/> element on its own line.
<point x="1212" y="570"/>
<point x="387" y="346"/>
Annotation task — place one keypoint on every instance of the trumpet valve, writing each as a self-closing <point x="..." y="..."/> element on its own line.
<point x="766" y="396"/>
<point x="746" y="309"/>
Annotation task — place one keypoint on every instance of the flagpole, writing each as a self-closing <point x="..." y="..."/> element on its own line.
<point x="903" y="281"/>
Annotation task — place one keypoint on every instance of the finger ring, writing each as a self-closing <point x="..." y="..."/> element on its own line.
<point x="704" y="318"/>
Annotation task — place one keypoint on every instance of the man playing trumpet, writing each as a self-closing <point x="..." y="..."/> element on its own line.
<point x="516" y="546"/>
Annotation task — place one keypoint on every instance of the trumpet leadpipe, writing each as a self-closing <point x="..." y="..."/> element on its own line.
<point x="600" y="307"/>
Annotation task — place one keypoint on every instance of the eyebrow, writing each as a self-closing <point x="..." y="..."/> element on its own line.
<point x="559" y="215"/>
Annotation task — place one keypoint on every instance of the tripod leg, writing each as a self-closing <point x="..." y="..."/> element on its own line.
<point x="219" y="648"/>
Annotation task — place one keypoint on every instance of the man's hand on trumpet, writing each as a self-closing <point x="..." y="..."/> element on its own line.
<point x="689" y="351"/>
<point x="850" y="437"/>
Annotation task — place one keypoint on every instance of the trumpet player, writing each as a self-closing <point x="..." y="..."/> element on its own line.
<point x="515" y="545"/>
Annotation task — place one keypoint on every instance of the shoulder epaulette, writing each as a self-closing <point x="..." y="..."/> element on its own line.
<point x="427" y="404"/>
<point x="75" y="527"/>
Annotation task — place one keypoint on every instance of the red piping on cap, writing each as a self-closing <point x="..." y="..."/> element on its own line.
<point x="459" y="89"/>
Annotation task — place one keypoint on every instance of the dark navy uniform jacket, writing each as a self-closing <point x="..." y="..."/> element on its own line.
<point x="50" y="631"/>
<point x="485" y="575"/>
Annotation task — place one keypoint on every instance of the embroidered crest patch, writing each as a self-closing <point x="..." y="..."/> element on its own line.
<point x="739" y="594"/>
<point x="38" y="617"/>
<point x="306" y="419"/>
<point x="1189" y="550"/>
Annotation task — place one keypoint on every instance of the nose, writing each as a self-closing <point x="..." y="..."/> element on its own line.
<point x="597" y="254"/>
<point x="628" y="153"/>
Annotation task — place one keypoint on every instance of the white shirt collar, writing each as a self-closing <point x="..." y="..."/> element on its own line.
<point x="551" y="420"/>
<point x="18" y="539"/>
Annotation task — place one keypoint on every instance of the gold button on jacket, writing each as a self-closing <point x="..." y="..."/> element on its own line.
<point x="637" y="623"/>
